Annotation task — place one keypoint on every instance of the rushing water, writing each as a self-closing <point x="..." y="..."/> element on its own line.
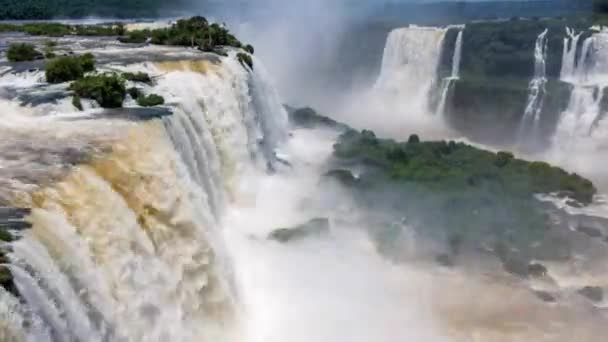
<point x="447" y="82"/>
<point x="529" y="126"/>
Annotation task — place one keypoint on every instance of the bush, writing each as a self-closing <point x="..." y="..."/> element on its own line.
<point x="107" y="89"/>
<point x="64" y="69"/>
<point x="503" y="158"/>
<point x="245" y="59"/>
<point x="137" y="77"/>
<point x="249" y="48"/>
<point x="134" y="92"/>
<point x="76" y="102"/>
<point x="135" y="37"/>
<point x="22" y="53"/>
<point x="150" y="100"/>
<point x="88" y="62"/>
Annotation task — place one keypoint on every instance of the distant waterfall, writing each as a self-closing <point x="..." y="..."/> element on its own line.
<point x="569" y="54"/>
<point x="529" y="125"/>
<point x="409" y="67"/>
<point x="447" y="82"/>
<point x="581" y="126"/>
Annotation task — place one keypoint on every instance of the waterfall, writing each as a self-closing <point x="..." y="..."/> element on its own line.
<point x="409" y="67"/>
<point x="446" y="83"/>
<point x="529" y="126"/>
<point x="569" y="54"/>
<point x="127" y="246"/>
<point x="581" y="127"/>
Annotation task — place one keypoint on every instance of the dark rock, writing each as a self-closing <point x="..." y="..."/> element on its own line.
<point x="314" y="227"/>
<point x="537" y="270"/>
<point x="593" y="293"/>
<point x="590" y="231"/>
<point x="15" y="225"/>
<point x="445" y="260"/>
<point x="7" y="213"/>
<point x="344" y="177"/>
<point x="545" y="296"/>
<point x="575" y="204"/>
<point x="516" y="266"/>
<point x="309" y="118"/>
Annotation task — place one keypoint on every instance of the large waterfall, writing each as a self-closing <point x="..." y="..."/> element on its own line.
<point x="529" y="126"/>
<point x="409" y="67"/>
<point x="126" y="215"/>
<point x="447" y="82"/>
<point x="581" y="126"/>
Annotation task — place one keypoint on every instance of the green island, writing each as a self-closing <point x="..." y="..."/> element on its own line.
<point x="454" y="191"/>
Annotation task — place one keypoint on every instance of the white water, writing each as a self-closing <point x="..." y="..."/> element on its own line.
<point x="581" y="132"/>
<point x="447" y="82"/>
<point x="409" y="67"/>
<point x="529" y="126"/>
<point x="569" y="54"/>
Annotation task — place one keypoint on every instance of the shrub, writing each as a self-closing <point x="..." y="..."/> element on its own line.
<point x="22" y="53"/>
<point x="245" y="59"/>
<point x="249" y="48"/>
<point x="137" y="77"/>
<point x="64" y="69"/>
<point x="503" y="158"/>
<point x="135" y="37"/>
<point x="107" y="89"/>
<point x="134" y="92"/>
<point x="414" y="139"/>
<point x="76" y="102"/>
<point x="150" y="100"/>
<point x="88" y="62"/>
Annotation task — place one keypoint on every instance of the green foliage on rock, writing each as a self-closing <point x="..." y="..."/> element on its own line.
<point x="69" y="68"/>
<point x="150" y="100"/>
<point x="107" y="89"/>
<point x="192" y="32"/>
<point x="60" y="30"/>
<point x="48" y="9"/>
<point x="245" y="59"/>
<point x="22" y="52"/>
<point x="451" y="189"/>
<point x="134" y="92"/>
<point x="141" y="77"/>
<point x="76" y="102"/>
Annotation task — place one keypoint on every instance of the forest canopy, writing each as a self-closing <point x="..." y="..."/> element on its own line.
<point x="49" y="9"/>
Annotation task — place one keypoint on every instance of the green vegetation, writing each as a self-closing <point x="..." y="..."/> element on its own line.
<point x="22" y="53"/>
<point x="192" y="32"/>
<point x="245" y="59"/>
<point x="107" y="89"/>
<point x="308" y="118"/>
<point x="141" y="77"/>
<point x="134" y="92"/>
<point x="150" y="100"/>
<point x="76" y="102"/>
<point x="60" y="30"/>
<point x="482" y="196"/>
<point x="47" y="9"/>
<point x="64" y="69"/>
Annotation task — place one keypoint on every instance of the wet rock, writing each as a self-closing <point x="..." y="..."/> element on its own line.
<point x="590" y="231"/>
<point x="344" y="177"/>
<point x="315" y="227"/>
<point x="575" y="204"/>
<point x="445" y="260"/>
<point x="593" y="293"/>
<point x="545" y="296"/>
<point x="516" y="266"/>
<point x="537" y="270"/>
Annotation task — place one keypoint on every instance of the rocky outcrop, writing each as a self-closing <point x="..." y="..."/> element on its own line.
<point x="315" y="227"/>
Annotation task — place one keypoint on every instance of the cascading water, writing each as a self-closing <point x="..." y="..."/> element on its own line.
<point x="581" y="123"/>
<point x="569" y="54"/>
<point x="126" y="246"/>
<point x="409" y="67"/>
<point x="529" y="126"/>
<point x="447" y="82"/>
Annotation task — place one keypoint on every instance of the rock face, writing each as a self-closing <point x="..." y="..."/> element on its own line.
<point x="308" y="118"/>
<point x="593" y="293"/>
<point x="12" y="220"/>
<point x="315" y="227"/>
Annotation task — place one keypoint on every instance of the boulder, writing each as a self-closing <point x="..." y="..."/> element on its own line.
<point x="315" y="227"/>
<point x="537" y="270"/>
<point x="593" y="293"/>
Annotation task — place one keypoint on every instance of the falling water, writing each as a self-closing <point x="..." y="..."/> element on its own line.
<point x="529" y="125"/>
<point x="447" y="82"/>
<point x="409" y="66"/>
<point x="569" y="54"/>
